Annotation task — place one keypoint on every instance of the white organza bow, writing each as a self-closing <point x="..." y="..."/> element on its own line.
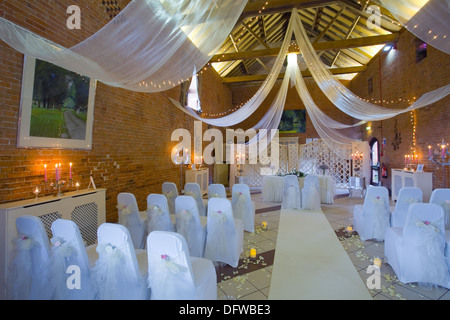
<point x="123" y="209"/>
<point x="155" y="209"/>
<point x="219" y="215"/>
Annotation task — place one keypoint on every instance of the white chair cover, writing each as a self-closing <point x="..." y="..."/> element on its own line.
<point x="173" y="274"/>
<point x="311" y="193"/>
<point x="193" y="189"/>
<point x="28" y="271"/>
<point x="170" y="190"/>
<point x="243" y="206"/>
<point x="190" y="226"/>
<point x="130" y="217"/>
<point x="225" y="234"/>
<point x="68" y="249"/>
<point x="158" y="215"/>
<point x="120" y="272"/>
<point x="416" y="252"/>
<point x="406" y="197"/>
<point x="372" y="218"/>
<point x="291" y="193"/>
<point x="441" y="197"/>
<point x="217" y="190"/>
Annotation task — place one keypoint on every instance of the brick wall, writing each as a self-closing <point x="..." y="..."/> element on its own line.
<point x="131" y="131"/>
<point x="396" y="75"/>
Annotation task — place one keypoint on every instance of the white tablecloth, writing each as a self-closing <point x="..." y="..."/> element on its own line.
<point x="272" y="188"/>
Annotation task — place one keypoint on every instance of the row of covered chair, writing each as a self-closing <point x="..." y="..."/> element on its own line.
<point x="219" y="236"/>
<point x="112" y="269"/>
<point x="416" y="240"/>
<point x="373" y="217"/>
<point x="242" y="205"/>
<point x="308" y="198"/>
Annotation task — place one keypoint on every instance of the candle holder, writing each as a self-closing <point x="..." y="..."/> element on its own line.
<point x="440" y="156"/>
<point x="36" y="191"/>
<point x="57" y="186"/>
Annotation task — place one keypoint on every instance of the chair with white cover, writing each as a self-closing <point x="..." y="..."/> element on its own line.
<point x="372" y="218"/>
<point x="193" y="189"/>
<point x="416" y="251"/>
<point x="243" y="206"/>
<point x="28" y="271"/>
<point x="175" y="275"/>
<point x="67" y="250"/>
<point x="170" y="190"/>
<point x="406" y="197"/>
<point x="130" y="217"/>
<point x="190" y="225"/>
<point x="225" y="234"/>
<point x="217" y="190"/>
<point x="311" y="193"/>
<point x="291" y="193"/>
<point x="441" y="197"/>
<point x="158" y="215"/>
<point x="120" y="272"/>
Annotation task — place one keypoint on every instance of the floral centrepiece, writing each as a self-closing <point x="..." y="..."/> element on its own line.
<point x="294" y="172"/>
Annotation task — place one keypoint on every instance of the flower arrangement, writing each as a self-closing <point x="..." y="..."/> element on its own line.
<point x="294" y="172"/>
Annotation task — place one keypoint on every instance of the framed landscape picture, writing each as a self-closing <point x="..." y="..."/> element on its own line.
<point x="56" y="107"/>
<point x="293" y="121"/>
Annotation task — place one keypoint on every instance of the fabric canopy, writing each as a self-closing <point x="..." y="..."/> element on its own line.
<point x="426" y="19"/>
<point x="337" y="93"/>
<point x="184" y="36"/>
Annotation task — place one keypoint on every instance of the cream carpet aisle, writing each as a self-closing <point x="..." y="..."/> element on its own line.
<point x="310" y="262"/>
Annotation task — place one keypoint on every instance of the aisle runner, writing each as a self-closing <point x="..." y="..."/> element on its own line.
<point x="310" y="262"/>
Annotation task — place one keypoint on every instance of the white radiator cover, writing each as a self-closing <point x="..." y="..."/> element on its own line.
<point x="85" y="207"/>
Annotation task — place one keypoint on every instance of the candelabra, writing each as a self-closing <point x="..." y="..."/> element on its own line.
<point x="440" y="156"/>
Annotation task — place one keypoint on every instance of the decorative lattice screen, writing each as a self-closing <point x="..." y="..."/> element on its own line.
<point x="317" y="153"/>
<point x="306" y="158"/>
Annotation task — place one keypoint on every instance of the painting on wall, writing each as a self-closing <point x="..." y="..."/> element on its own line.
<point x="293" y="121"/>
<point x="56" y="108"/>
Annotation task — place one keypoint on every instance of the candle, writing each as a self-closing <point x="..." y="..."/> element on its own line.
<point x="253" y="253"/>
<point x="377" y="262"/>
<point x="349" y="229"/>
<point x="443" y="151"/>
<point x="45" y="172"/>
<point x="56" y="172"/>
<point x="406" y="160"/>
<point x="429" y="151"/>
<point x="70" y="171"/>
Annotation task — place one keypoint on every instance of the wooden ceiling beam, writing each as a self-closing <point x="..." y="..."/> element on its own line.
<point x="254" y="9"/>
<point x="306" y="73"/>
<point x="319" y="46"/>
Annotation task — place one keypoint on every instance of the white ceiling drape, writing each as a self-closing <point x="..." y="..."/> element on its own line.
<point x="150" y="46"/>
<point x="336" y="92"/>
<point x="428" y="20"/>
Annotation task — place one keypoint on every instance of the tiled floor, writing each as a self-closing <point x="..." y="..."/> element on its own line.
<point x="251" y="279"/>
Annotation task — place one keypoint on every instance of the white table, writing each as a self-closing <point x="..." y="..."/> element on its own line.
<point x="272" y="188"/>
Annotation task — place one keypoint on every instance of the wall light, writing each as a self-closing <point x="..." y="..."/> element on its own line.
<point x="368" y="128"/>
